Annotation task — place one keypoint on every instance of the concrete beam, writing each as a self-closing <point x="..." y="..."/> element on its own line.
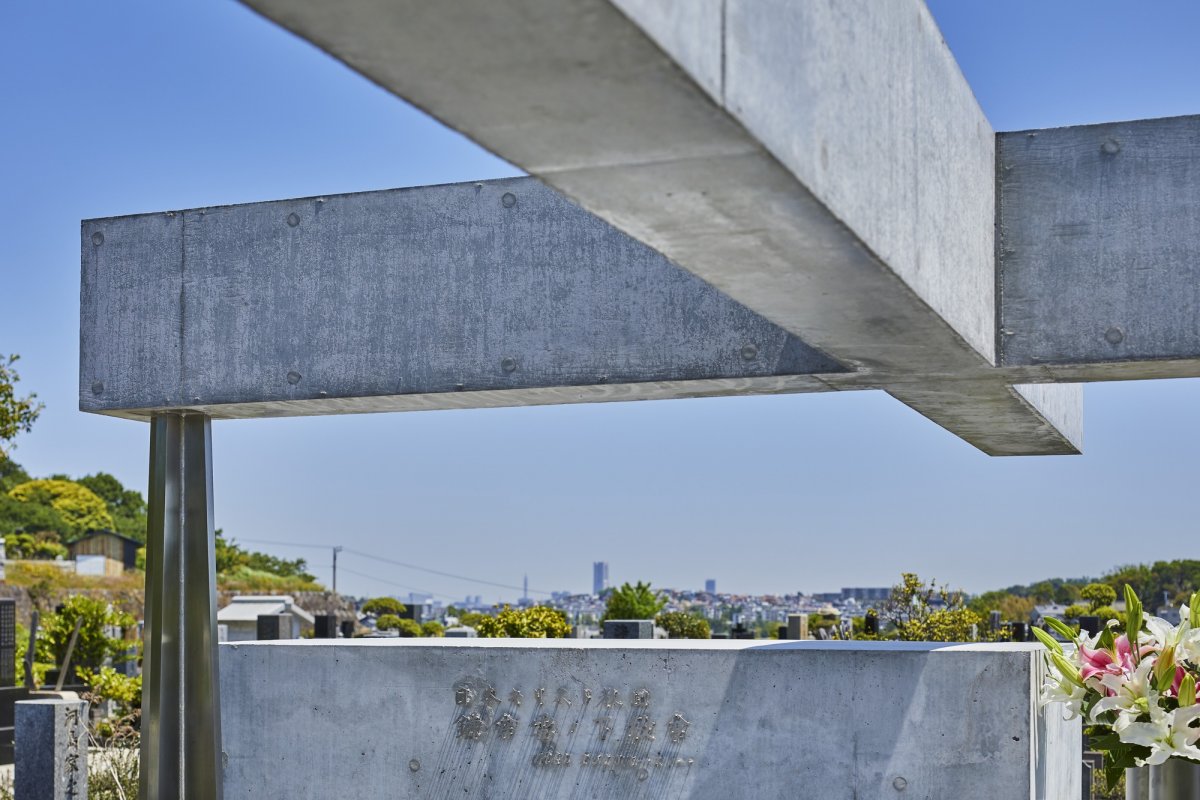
<point x="825" y="165"/>
<point x="481" y="294"/>
<point x="1099" y="249"/>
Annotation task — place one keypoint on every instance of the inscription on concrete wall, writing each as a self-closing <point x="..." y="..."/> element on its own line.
<point x="628" y="732"/>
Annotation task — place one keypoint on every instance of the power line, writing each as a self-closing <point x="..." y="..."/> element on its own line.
<point x="439" y="572"/>
<point x="397" y="585"/>
<point x="405" y="564"/>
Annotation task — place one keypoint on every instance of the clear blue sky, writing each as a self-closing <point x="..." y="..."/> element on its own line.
<point x="116" y="108"/>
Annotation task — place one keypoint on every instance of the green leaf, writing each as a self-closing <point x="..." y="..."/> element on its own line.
<point x="1063" y="629"/>
<point x="1048" y="640"/>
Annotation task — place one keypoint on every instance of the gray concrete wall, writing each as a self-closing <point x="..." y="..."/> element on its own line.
<point x="640" y="719"/>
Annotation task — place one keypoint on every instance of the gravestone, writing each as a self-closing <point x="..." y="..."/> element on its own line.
<point x="512" y="719"/>
<point x="51" y="750"/>
<point x="325" y="626"/>
<point x="274" y="626"/>
<point x="629" y="629"/>
<point x="8" y="642"/>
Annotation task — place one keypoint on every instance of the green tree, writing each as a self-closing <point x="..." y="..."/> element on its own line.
<point x="928" y="613"/>
<point x="233" y="560"/>
<point x="1098" y="594"/>
<point x="126" y="506"/>
<point x="17" y="414"/>
<point x="381" y="606"/>
<point x="391" y="622"/>
<point x="94" y="645"/>
<point x="1011" y="606"/>
<point x="44" y="545"/>
<point x="537" y="622"/>
<point x="1075" y="611"/>
<point x="682" y="625"/>
<point x="80" y="508"/>
<point x="633" y="602"/>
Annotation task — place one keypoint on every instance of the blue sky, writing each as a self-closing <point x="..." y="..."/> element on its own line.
<point x="122" y="108"/>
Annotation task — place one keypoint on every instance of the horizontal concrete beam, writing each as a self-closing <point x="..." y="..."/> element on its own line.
<point x="482" y="294"/>
<point x="825" y="165"/>
<point x="511" y="719"/>
<point x="1099" y="249"/>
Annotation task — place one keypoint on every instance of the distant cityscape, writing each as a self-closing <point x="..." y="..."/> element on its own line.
<point x="722" y="610"/>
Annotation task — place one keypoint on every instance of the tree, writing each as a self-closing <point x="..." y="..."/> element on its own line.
<point x="1075" y="611"/>
<point x="17" y="414"/>
<point x="681" y="625"/>
<point x="391" y="622"/>
<point x="93" y="645"/>
<point x="34" y="546"/>
<point x="233" y="560"/>
<point x="1011" y="606"/>
<point x="537" y="622"/>
<point x="383" y="606"/>
<point x="80" y="508"/>
<point x="928" y="613"/>
<point x="1098" y="594"/>
<point x="126" y="506"/>
<point x="633" y="602"/>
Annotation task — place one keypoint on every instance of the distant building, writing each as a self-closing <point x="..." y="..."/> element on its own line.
<point x="241" y="615"/>
<point x="599" y="577"/>
<point x="867" y="593"/>
<point x="104" y="553"/>
<point x="710" y="586"/>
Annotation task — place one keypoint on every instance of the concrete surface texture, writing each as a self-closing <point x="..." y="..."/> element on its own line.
<point x="844" y="189"/>
<point x="50" y="757"/>
<point x="673" y="719"/>
<point x="368" y="301"/>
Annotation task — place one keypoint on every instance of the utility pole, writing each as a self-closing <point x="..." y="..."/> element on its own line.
<point x="336" y="550"/>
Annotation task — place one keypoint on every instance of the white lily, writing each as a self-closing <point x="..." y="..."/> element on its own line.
<point x="1133" y="695"/>
<point x="1060" y="690"/>
<point x="1163" y="635"/>
<point x="1168" y="734"/>
<point x="1189" y="640"/>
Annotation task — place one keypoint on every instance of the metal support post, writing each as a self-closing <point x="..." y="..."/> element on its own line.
<point x="181" y="715"/>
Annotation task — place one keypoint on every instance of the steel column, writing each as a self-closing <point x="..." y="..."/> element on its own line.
<point x="181" y="716"/>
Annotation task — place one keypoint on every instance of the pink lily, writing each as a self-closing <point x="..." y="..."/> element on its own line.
<point x="1100" y="662"/>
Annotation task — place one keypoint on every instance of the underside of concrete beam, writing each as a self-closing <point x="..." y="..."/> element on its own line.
<point x="825" y="165"/>
<point x="479" y="294"/>
<point x="1099" y="249"/>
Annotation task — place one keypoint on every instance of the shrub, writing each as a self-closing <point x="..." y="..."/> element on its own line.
<point x="538" y="622"/>
<point x="681" y="625"/>
<point x="633" y="602"/>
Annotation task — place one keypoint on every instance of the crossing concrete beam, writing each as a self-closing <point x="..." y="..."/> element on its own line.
<point x="1099" y="249"/>
<point x="825" y="165"/>
<point x="478" y="294"/>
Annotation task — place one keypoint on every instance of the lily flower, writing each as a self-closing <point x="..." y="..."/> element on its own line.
<point x="1168" y="734"/>
<point x="1131" y="695"/>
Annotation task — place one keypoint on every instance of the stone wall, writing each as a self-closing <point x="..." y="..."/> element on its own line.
<point x="516" y="719"/>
